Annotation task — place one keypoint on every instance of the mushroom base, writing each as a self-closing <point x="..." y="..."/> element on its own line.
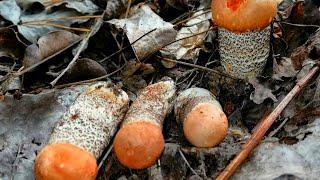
<point x="244" y="55"/>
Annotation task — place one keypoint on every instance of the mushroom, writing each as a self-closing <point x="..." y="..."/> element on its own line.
<point x="82" y="133"/>
<point x="204" y="122"/>
<point x="139" y="142"/>
<point x="244" y="28"/>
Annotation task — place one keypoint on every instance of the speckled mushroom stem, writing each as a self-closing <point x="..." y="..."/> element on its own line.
<point x="139" y="142"/>
<point x="244" y="55"/>
<point x="93" y="119"/>
<point x="152" y="105"/>
<point x="204" y="122"/>
<point x="82" y="134"/>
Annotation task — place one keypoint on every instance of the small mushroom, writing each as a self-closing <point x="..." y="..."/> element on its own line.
<point x="204" y="122"/>
<point x="82" y="133"/>
<point x="139" y="142"/>
<point x="244" y="28"/>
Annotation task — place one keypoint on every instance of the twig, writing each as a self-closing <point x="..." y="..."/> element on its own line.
<point x="197" y="66"/>
<point x="301" y="25"/>
<point x="58" y="26"/>
<point x="83" y="44"/>
<point x="257" y="135"/>
<point x="59" y="19"/>
<point x="186" y="161"/>
<point x="274" y="132"/>
<point x="105" y="156"/>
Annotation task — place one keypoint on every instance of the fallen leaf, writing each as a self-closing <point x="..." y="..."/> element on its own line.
<point x="33" y="26"/>
<point x="140" y="23"/>
<point x="48" y="45"/>
<point x="82" y="6"/>
<point x="260" y="92"/>
<point x="284" y="68"/>
<point x="10" y="11"/>
<point x="11" y="83"/>
<point x="84" y="69"/>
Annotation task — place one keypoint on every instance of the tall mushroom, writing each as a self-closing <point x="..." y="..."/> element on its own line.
<point x="244" y="34"/>
<point x="82" y="134"/>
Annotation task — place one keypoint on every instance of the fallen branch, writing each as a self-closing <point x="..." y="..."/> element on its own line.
<point x="257" y="135"/>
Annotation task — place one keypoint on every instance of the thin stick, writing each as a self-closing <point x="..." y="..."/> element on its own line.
<point x="196" y="66"/>
<point x="301" y="25"/>
<point x="185" y="160"/>
<point x="257" y="135"/>
<point x="105" y="156"/>
<point x="80" y="49"/>
<point x="59" y="19"/>
<point x="58" y="26"/>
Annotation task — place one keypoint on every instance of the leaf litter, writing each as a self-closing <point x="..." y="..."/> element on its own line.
<point x="124" y="48"/>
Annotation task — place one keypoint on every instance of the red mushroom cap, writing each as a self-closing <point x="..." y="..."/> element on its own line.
<point x="243" y="15"/>
<point x="206" y="125"/>
<point x="138" y="145"/>
<point x="65" y="161"/>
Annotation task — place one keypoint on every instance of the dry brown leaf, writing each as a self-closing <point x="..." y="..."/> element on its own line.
<point x="48" y="45"/>
<point x="84" y="69"/>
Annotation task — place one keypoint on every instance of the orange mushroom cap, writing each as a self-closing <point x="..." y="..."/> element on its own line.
<point x="206" y="125"/>
<point x="138" y="145"/>
<point x="65" y="161"/>
<point x="243" y="15"/>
